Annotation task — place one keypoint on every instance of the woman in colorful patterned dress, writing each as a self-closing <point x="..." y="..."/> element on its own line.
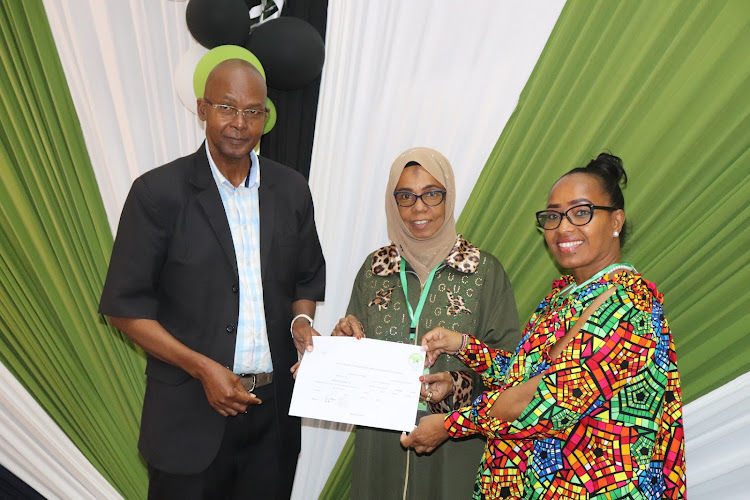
<point x="588" y="405"/>
<point x="448" y="282"/>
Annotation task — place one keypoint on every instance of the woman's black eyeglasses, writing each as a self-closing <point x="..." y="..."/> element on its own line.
<point x="579" y="215"/>
<point x="430" y="198"/>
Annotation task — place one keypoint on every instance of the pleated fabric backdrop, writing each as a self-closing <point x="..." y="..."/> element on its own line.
<point x="55" y="243"/>
<point x="398" y="75"/>
<point x="663" y="85"/>
<point x="666" y="86"/>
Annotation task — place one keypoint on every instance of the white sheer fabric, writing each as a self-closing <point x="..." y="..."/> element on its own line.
<point x="717" y="442"/>
<point x="397" y="74"/>
<point x="400" y="74"/>
<point x="38" y="452"/>
<point x="119" y="59"/>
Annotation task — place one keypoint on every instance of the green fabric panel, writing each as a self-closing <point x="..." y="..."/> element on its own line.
<point x="339" y="484"/>
<point x="54" y="247"/>
<point x="665" y="86"/>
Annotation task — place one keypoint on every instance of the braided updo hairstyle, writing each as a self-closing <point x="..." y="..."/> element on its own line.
<point x="610" y="172"/>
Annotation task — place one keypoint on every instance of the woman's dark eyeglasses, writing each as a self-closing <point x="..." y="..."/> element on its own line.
<point x="430" y="198"/>
<point x="579" y="215"/>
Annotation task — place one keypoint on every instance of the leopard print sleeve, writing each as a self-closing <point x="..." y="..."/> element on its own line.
<point x="462" y="389"/>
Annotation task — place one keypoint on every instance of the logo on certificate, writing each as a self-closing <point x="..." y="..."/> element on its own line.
<point x="416" y="360"/>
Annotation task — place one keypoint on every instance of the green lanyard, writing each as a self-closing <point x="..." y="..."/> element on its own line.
<point x="607" y="270"/>
<point x="415" y="315"/>
<point x="574" y="288"/>
<point x="425" y="292"/>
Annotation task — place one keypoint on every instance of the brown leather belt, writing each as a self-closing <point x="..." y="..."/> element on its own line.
<point x="251" y="381"/>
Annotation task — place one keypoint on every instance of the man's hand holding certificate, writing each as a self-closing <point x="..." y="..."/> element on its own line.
<point x="367" y="382"/>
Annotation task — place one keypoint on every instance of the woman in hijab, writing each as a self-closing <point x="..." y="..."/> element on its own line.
<point x="428" y="276"/>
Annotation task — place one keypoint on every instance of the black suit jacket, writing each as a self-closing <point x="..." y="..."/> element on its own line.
<point x="173" y="261"/>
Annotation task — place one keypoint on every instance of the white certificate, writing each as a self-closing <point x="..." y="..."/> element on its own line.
<point x="367" y="382"/>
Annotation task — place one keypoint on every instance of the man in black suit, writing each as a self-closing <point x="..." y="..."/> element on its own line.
<point x="216" y="256"/>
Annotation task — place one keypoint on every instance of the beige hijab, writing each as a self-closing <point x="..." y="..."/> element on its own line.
<point x="423" y="254"/>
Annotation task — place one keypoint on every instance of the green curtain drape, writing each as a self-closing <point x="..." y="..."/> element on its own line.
<point x="338" y="486"/>
<point x="54" y="247"/>
<point x="665" y="86"/>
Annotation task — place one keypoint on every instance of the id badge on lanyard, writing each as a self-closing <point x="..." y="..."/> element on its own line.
<point x="414" y="315"/>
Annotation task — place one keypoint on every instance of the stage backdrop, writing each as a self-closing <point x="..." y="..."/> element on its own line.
<point x="663" y="85"/>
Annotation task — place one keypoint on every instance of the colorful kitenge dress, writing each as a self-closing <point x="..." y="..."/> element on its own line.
<point x="606" y="419"/>
<point x="470" y="292"/>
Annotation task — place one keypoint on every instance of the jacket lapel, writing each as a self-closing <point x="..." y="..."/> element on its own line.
<point x="210" y="200"/>
<point x="267" y="203"/>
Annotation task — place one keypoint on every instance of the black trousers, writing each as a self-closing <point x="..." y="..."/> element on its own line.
<point x="249" y="464"/>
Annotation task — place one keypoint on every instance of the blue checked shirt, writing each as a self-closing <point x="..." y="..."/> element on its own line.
<point x="251" y="351"/>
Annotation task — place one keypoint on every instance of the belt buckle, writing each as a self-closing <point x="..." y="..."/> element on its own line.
<point x="248" y="375"/>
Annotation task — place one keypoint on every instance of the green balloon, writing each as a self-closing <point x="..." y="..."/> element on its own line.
<point x="271" y="120"/>
<point x="221" y="54"/>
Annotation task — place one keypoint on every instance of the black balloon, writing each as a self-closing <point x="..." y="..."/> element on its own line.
<point x="218" y="22"/>
<point x="290" y="50"/>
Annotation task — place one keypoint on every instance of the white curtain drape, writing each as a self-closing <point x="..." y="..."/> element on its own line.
<point x="717" y="442"/>
<point x="398" y="74"/>
<point x="38" y="452"/>
<point x="119" y="58"/>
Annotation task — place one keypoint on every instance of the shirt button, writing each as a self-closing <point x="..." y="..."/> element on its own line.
<point x="235" y="288"/>
<point x="230" y="328"/>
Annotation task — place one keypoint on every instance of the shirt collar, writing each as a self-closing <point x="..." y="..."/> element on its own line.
<point x="251" y="181"/>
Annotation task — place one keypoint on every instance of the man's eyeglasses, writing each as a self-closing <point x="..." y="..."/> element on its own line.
<point x="251" y="115"/>
<point x="430" y="198"/>
<point x="579" y="215"/>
